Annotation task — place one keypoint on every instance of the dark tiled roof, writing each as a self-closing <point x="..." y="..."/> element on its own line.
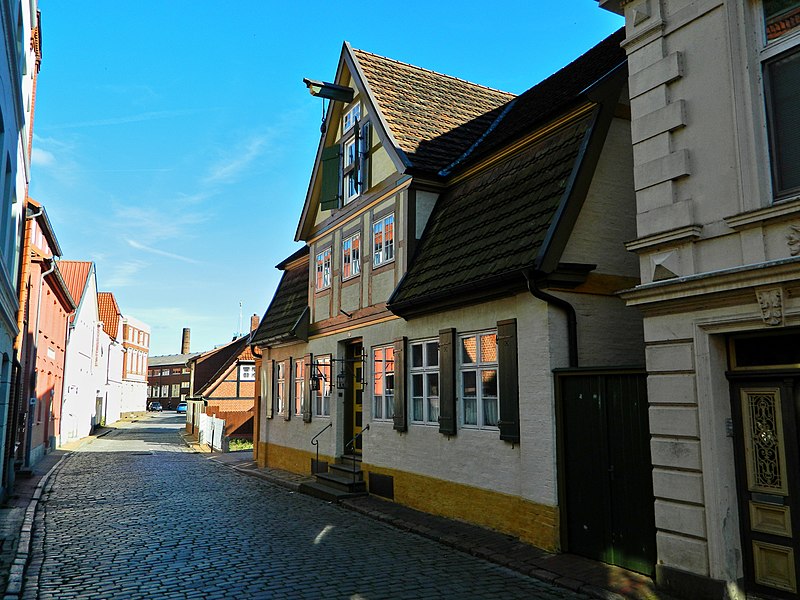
<point x="493" y="224"/>
<point x="434" y="118"/>
<point x="287" y="307"/>
<point x="553" y="95"/>
<point x="170" y="359"/>
<point x="209" y="365"/>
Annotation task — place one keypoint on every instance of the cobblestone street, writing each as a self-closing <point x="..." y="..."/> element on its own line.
<point x="137" y="514"/>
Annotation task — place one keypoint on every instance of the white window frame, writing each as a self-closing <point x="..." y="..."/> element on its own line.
<point x="247" y="372"/>
<point x="351" y="256"/>
<point x="350" y="117"/>
<point x="322" y="397"/>
<point x="382" y="383"/>
<point x="424" y="382"/>
<point x="383" y="251"/>
<point x="783" y="46"/>
<point x="323" y="269"/>
<point x="280" y="387"/>
<point x="175" y="391"/>
<point x="481" y="367"/>
<point x="350" y="160"/>
<point x="299" y="384"/>
<point x="165" y="391"/>
<point x="184" y="384"/>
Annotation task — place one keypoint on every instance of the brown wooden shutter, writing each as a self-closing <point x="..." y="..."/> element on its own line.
<point x="329" y="189"/>
<point x="508" y="384"/>
<point x="267" y="372"/>
<point x="400" y="404"/>
<point x="447" y="381"/>
<point x="308" y="365"/>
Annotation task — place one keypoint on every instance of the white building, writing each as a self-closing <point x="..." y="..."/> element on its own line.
<point x="83" y="379"/>
<point x="714" y="93"/>
<point x="110" y="359"/>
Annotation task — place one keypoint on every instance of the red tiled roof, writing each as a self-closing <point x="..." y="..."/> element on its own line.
<point x="109" y="313"/>
<point x="433" y="117"/>
<point x="75" y="274"/>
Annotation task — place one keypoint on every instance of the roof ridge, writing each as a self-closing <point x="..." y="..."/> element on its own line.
<point x="405" y="64"/>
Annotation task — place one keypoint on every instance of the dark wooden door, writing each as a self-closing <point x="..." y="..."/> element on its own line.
<point x="765" y="412"/>
<point x="606" y="473"/>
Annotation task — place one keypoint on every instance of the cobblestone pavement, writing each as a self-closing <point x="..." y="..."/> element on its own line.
<point x="136" y="514"/>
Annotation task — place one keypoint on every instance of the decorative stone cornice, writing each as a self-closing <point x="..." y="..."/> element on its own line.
<point x="755" y="218"/>
<point x="673" y="237"/>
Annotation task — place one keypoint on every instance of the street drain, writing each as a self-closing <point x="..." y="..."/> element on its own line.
<point x="148" y="453"/>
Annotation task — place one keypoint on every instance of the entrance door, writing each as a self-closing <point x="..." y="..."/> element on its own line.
<point x="355" y="391"/>
<point x="605" y="468"/>
<point x="765" y="417"/>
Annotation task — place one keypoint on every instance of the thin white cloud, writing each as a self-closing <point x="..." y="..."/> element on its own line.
<point x="227" y="169"/>
<point x="42" y="158"/>
<point x="124" y="274"/>
<point x="137" y="118"/>
<point x="138" y="246"/>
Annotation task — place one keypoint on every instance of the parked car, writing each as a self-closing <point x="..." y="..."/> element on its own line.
<point x="155" y="407"/>
<point x="181" y="410"/>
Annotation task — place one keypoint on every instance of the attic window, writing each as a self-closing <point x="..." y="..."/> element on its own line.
<point x="351" y="117"/>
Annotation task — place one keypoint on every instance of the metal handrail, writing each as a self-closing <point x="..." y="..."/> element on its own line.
<point x="352" y="444"/>
<point x="314" y="442"/>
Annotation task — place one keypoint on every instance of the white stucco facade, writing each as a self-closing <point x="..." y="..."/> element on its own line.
<point x="717" y="247"/>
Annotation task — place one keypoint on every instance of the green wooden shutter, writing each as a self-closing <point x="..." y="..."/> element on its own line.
<point x="363" y="158"/>
<point x="508" y="380"/>
<point x="267" y="370"/>
<point x="308" y="365"/>
<point x="447" y="381"/>
<point x="329" y="190"/>
<point x="400" y="404"/>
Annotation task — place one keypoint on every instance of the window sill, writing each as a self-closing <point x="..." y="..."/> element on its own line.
<point x="323" y="291"/>
<point x="384" y="266"/>
<point x="350" y="280"/>
<point x="781" y="209"/>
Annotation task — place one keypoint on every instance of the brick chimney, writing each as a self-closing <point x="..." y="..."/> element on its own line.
<point x="185" y="341"/>
<point x="254" y="320"/>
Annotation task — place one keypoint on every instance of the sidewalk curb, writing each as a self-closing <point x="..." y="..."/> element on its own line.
<point x="22" y="555"/>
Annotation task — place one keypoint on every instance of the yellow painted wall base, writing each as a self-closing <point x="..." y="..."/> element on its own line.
<point x="287" y="459"/>
<point x="533" y="523"/>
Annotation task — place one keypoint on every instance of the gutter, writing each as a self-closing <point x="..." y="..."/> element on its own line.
<point x="572" y="319"/>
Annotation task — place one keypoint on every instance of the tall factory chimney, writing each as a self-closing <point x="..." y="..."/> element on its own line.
<point x="185" y="341"/>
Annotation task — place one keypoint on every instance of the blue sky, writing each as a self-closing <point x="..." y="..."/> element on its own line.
<point x="174" y="140"/>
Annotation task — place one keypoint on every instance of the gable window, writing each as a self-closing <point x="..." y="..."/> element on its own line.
<point x="280" y="387"/>
<point x="780" y="58"/>
<point x="299" y="385"/>
<point x="351" y="117"/>
<point x="383" y="382"/>
<point x="383" y="240"/>
<point x="351" y="256"/>
<point x="247" y="372"/>
<point x="425" y="382"/>
<point x="322" y="397"/>
<point x="324" y="269"/>
<point x="477" y="380"/>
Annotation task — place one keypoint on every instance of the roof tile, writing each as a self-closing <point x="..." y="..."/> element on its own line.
<point x="433" y="117"/>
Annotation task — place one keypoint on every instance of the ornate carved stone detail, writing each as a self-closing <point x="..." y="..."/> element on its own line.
<point x="771" y="303"/>
<point x="793" y="240"/>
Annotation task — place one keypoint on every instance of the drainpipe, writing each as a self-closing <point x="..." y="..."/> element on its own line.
<point x="572" y="320"/>
<point x="34" y="355"/>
